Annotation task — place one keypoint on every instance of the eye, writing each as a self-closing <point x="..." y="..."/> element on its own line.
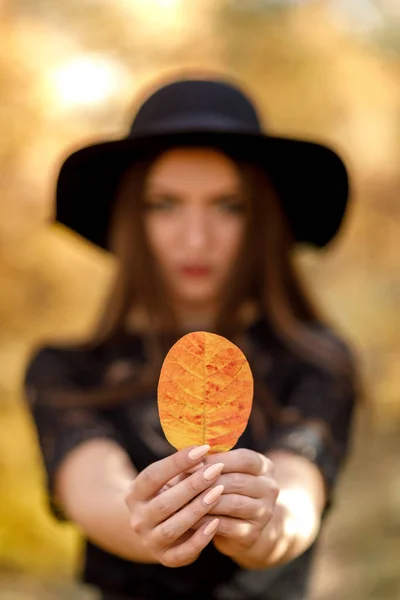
<point x="159" y="203"/>
<point x="231" y="204"/>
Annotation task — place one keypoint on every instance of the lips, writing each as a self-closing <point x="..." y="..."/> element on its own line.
<point x="195" y="270"/>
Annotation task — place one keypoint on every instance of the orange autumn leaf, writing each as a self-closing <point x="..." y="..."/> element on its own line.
<point x="205" y="392"/>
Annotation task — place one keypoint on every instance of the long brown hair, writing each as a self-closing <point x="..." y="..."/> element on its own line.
<point x="264" y="273"/>
<point x="264" y="277"/>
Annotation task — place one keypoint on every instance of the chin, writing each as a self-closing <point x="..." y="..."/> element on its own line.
<point x="198" y="295"/>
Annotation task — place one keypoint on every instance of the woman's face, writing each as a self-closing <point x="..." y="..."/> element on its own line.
<point x="194" y="222"/>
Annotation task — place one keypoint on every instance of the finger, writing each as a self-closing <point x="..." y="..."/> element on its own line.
<point x="229" y="527"/>
<point x="181" y="477"/>
<point x="172" y="482"/>
<point x="233" y="528"/>
<point x="169" y="531"/>
<point x="149" y="481"/>
<point x="247" y="485"/>
<point x="187" y="552"/>
<point x="171" y="500"/>
<point x="243" y="507"/>
<point x="243" y="460"/>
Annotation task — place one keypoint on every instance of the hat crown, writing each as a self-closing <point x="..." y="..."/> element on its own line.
<point x="197" y="104"/>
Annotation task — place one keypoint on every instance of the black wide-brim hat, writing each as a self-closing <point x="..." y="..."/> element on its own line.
<point x="310" y="178"/>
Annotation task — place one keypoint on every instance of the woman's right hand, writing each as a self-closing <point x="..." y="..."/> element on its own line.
<point x="162" y="515"/>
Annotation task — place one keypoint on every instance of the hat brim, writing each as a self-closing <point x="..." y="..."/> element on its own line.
<point x="311" y="180"/>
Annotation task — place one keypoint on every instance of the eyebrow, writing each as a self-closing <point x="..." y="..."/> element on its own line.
<point x="157" y="189"/>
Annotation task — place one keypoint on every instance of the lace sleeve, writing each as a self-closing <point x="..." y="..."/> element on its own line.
<point x="317" y="422"/>
<point x="59" y="430"/>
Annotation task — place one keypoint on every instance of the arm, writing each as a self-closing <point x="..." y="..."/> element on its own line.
<point x="271" y="508"/>
<point x="297" y="515"/>
<point x="91" y="486"/>
<point x="87" y="471"/>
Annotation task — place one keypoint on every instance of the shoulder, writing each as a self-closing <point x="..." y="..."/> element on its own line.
<point x="320" y="349"/>
<point x="52" y="366"/>
<point x="84" y="366"/>
<point x="263" y="335"/>
<point x="330" y="379"/>
<point x="336" y="350"/>
<point x="330" y="334"/>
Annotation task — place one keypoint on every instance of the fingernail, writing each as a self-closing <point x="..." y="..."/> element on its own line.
<point x="213" y="494"/>
<point x="211" y="527"/>
<point x="199" y="452"/>
<point x="213" y="471"/>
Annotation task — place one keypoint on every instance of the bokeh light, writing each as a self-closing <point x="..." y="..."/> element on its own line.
<point x="86" y="80"/>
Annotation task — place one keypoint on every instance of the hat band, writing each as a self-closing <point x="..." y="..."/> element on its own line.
<point x="195" y="123"/>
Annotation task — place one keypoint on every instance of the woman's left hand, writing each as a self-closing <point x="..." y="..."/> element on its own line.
<point x="248" y="501"/>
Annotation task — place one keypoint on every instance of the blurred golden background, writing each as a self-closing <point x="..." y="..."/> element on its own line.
<point x="329" y="70"/>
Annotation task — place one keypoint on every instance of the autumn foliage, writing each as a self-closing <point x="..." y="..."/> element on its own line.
<point x="205" y="392"/>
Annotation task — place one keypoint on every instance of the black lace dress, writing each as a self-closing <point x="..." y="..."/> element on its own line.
<point x="306" y="396"/>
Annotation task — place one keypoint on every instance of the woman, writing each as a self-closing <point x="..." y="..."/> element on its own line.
<point x="202" y="210"/>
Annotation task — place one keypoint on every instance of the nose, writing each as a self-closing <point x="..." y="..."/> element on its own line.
<point x="196" y="230"/>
